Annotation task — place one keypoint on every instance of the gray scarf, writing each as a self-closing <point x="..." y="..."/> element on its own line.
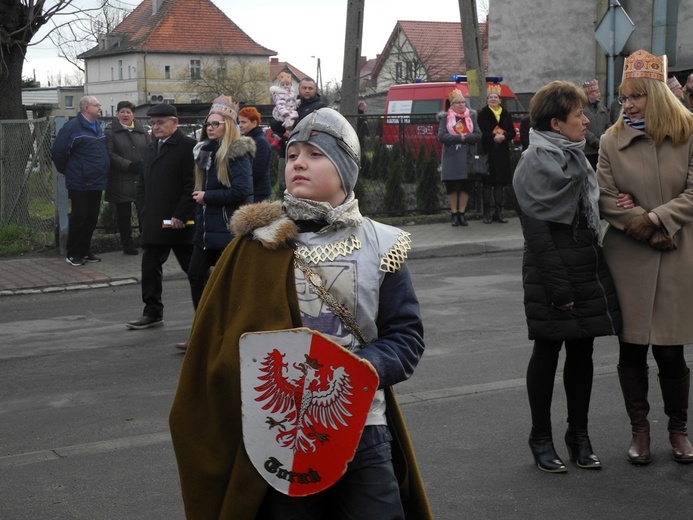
<point x="552" y="175"/>
<point x="347" y="214"/>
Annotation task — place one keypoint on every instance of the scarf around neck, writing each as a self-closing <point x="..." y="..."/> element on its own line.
<point x="347" y="214"/>
<point x="452" y="124"/>
<point x="551" y="177"/>
<point x="638" y="124"/>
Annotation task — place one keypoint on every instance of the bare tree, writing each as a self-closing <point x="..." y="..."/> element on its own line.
<point x="83" y="34"/>
<point x="232" y="75"/>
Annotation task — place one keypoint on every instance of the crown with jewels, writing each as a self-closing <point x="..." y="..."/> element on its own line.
<point x="642" y="64"/>
<point x="590" y="86"/>
<point x="493" y="89"/>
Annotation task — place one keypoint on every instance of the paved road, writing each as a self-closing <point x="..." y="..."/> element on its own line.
<point x="84" y="404"/>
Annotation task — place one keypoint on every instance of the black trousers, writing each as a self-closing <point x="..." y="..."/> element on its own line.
<point x="84" y="215"/>
<point x="577" y="381"/>
<point x="198" y="271"/>
<point x="154" y="256"/>
<point x="124" y="219"/>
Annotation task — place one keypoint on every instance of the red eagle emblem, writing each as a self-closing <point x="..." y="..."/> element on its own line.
<point x="311" y="401"/>
<point x="305" y="401"/>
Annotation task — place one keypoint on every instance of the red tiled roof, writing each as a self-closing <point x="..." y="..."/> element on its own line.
<point x="190" y="26"/>
<point x="438" y="46"/>
<point x="278" y="66"/>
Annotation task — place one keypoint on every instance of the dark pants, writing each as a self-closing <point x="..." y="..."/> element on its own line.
<point x="198" y="271"/>
<point x="369" y="493"/>
<point x="153" y="258"/>
<point x="124" y="219"/>
<point x="669" y="358"/>
<point x="84" y="215"/>
<point x="577" y="380"/>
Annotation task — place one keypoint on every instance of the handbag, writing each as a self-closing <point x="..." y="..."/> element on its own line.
<point x="477" y="164"/>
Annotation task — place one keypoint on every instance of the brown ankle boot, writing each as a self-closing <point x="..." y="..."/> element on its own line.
<point x="675" y="396"/>
<point x="635" y="385"/>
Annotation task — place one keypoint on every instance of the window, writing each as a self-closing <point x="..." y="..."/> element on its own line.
<point x="112" y="77"/>
<point x="195" y="69"/>
<point x="69" y="100"/>
<point x="398" y="70"/>
<point x="129" y="72"/>
<point x="221" y="69"/>
<point x="167" y="71"/>
<point x="120" y="69"/>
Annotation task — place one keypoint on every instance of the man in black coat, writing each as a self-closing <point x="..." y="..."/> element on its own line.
<point x="309" y="102"/>
<point x="166" y="207"/>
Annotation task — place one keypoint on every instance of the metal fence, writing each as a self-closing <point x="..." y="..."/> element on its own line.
<point x="27" y="190"/>
<point x="400" y="172"/>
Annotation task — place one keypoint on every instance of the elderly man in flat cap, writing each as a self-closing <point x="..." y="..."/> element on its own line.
<point x="166" y="206"/>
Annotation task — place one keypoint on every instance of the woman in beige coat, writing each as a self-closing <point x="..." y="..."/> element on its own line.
<point x="648" y="154"/>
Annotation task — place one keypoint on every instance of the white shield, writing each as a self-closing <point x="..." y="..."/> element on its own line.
<point x="305" y="401"/>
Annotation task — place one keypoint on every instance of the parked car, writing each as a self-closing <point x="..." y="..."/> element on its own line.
<point x="412" y="110"/>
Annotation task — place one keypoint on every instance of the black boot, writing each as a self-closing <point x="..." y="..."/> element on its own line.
<point x="545" y="456"/>
<point x="454" y="221"/>
<point x="580" y="448"/>
<point x="129" y="247"/>
<point x="635" y="385"/>
<point x="675" y="396"/>
<point x="498" y="215"/>
<point x="461" y="220"/>
<point x="486" y="193"/>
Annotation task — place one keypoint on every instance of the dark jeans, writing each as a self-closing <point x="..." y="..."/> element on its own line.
<point x="669" y="358"/>
<point x="577" y="380"/>
<point x="198" y="271"/>
<point x="84" y="215"/>
<point x="369" y="493"/>
<point x="153" y="258"/>
<point x="124" y="219"/>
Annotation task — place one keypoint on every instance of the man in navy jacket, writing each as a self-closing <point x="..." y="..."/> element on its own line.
<point x="79" y="152"/>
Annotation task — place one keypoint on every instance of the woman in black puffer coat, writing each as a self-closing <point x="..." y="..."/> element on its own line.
<point x="223" y="182"/>
<point x="570" y="297"/>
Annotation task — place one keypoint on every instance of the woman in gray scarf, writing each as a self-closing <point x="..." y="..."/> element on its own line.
<point x="569" y="294"/>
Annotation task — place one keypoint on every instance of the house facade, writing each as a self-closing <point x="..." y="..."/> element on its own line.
<point x="164" y="52"/>
<point x="418" y="51"/>
<point x="52" y="101"/>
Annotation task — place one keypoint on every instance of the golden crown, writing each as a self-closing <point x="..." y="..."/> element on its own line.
<point x="493" y="89"/>
<point x="642" y="64"/>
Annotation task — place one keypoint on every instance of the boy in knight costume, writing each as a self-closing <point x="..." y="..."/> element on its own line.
<point x="362" y="298"/>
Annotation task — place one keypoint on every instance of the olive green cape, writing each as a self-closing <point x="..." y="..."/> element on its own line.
<point x="252" y="288"/>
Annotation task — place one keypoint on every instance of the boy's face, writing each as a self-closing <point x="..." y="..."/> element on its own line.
<point x="311" y="175"/>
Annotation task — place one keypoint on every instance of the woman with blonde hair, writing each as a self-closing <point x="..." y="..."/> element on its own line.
<point x="223" y="182"/>
<point x="458" y="129"/>
<point x="648" y="154"/>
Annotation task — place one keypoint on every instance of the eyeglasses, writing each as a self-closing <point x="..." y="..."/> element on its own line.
<point x="159" y="122"/>
<point x="214" y="124"/>
<point x="633" y="98"/>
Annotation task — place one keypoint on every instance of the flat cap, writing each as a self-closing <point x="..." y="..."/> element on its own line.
<point x="162" y="109"/>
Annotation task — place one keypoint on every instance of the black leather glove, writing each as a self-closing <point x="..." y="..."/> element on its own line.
<point x="640" y="227"/>
<point x="660" y="241"/>
<point x="134" y="167"/>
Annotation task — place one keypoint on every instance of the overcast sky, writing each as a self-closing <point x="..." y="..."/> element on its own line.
<point x="317" y="32"/>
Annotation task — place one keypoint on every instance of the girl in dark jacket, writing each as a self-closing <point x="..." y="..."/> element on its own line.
<point x="497" y="132"/>
<point x="569" y="294"/>
<point x="223" y="182"/>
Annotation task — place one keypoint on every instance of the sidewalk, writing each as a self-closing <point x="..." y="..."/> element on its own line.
<point x="52" y="274"/>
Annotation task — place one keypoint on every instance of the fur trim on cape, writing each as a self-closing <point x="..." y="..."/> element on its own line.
<point x="265" y="222"/>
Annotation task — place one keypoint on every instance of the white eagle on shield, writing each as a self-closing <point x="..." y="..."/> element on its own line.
<point x="316" y="397"/>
